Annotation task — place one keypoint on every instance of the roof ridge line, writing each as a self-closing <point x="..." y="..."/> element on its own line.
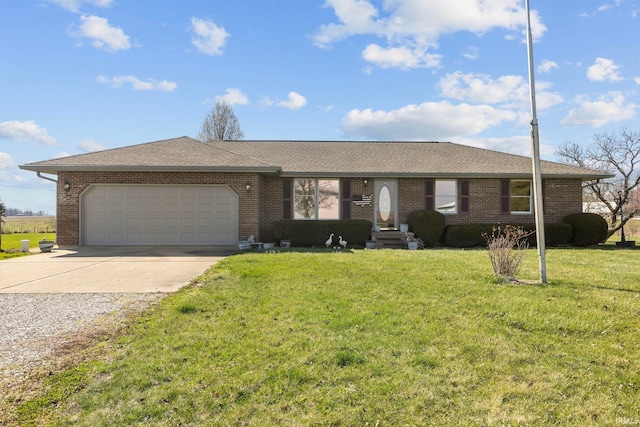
<point x="242" y="155"/>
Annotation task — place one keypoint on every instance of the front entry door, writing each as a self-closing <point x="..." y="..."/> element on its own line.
<point x="386" y="204"/>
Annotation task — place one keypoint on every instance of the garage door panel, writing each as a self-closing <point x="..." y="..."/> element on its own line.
<point x="159" y="215"/>
<point x="151" y="223"/>
<point x="170" y="239"/>
<point x="134" y="222"/>
<point x="135" y="207"/>
<point x="116" y="238"/>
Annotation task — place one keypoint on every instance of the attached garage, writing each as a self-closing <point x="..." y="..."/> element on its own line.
<point x="162" y="215"/>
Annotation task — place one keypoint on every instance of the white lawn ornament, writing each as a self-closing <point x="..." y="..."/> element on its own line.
<point x="251" y="239"/>
<point x="329" y="241"/>
<point x="343" y="243"/>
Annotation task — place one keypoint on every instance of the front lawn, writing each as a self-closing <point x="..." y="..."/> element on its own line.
<point x="381" y="337"/>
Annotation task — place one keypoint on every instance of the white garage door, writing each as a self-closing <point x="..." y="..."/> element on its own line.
<point x="114" y="215"/>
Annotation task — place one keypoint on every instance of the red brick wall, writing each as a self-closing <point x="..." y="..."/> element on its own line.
<point x="261" y="206"/>
<point x="561" y="198"/>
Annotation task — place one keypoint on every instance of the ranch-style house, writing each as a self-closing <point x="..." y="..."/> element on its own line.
<point x="183" y="191"/>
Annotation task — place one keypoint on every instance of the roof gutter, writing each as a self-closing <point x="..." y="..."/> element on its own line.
<point x="46" y="177"/>
<point x="132" y="168"/>
<point x="436" y="175"/>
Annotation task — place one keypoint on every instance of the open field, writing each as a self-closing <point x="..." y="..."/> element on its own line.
<point x="29" y="224"/>
<point x="32" y="228"/>
<point x="369" y="338"/>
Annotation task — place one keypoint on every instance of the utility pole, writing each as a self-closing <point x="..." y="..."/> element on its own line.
<point x="535" y="151"/>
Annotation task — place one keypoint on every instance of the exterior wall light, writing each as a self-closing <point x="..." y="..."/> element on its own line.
<point x="66" y="185"/>
<point x="365" y="182"/>
<point x="248" y="186"/>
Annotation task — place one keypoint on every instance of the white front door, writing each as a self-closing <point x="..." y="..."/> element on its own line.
<point x="386" y="204"/>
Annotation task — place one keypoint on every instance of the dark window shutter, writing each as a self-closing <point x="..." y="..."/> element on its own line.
<point x="464" y="196"/>
<point x="505" y="193"/>
<point x="430" y="189"/>
<point x="346" y="199"/>
<point x="287" y="194"/>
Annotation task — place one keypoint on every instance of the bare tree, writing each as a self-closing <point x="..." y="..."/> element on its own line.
<point x="220" y="124"/>
<point x="618" y="154"/>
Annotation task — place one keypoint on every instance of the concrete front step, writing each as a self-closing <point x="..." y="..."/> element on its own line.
<point x="390" y="239"/>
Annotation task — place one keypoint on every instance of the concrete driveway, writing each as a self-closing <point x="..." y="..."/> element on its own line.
<point x="107" y="269"/>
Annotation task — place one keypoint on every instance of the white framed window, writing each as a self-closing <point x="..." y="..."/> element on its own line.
<point x="316" y="198"/>
<point x="446" y="196"/>
<point x="521" y="197"/>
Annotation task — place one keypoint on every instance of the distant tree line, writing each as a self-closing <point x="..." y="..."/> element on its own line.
<point x="26" y="212"/>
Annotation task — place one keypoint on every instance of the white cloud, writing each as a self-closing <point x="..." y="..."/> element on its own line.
<point x="481" y="88"/>
<point x="6" y="161"/>
<point x="295" y="101"/>
<point x="25" y="131"/>
<point x="209" y="38"/>
<point x="546" y="66"/>
<point x="507" y="91"/>
<point x="137" y="84"/>
<point x="520" y="145"/>
<point x="472" y="53"/>
<point x="606" y="6"/>
<point x="430" y="120"/>
<point x="102" y="35"/>
<point x="400" y="57"/>
<point x="356" y="17"/>
<point x="546" y="99"/>
<point x="75" y="5"/>
<point x="417" y="25"/>
<point x="637" y="79"/>
<point x="603" y="70"/>
<point x="89" y="145"/>
<point x="608" y="108"/>
<point x="233" y="96"/>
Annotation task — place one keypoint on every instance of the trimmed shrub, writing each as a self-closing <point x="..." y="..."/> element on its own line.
<point x="466" y="235"/>
<point x="470" y="235"/>
<point x="555" y="234"/>
<point x="315" y="232"/>
<point x="427" y="225"/>
<point x="588" y="228"/>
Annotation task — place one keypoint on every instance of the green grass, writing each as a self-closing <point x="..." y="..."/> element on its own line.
<point x="11" y="243"/>
<point x="371" y="338"/>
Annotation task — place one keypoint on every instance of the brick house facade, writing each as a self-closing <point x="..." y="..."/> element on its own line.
<point x="259" y="175"/>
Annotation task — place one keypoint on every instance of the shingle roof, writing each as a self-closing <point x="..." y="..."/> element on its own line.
<point x="313" y="158"/>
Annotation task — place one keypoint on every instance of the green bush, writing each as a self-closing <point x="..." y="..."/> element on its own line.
<point x="470" y="235"/>
<point x="466" y="235"/>
<point x="315" y="232"/>
<point x="427" y="225"/>
<point x="555" y="234"/>
<point x="588" y="228"/>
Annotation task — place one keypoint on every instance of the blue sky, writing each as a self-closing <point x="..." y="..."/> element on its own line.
<point x="85" y="75"/>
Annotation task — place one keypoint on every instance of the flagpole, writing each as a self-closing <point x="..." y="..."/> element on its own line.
<point x="535" y="149"/>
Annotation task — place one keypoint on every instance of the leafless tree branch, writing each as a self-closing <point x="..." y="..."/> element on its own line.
<point x="618" y="154"/>
<point x="220" y="124"/>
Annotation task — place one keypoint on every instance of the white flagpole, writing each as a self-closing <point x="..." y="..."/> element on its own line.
<point x="535" y="148"/>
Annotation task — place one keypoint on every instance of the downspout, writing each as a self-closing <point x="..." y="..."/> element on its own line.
<point x="56" y="181"/>
<point x="46" y="177"/>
